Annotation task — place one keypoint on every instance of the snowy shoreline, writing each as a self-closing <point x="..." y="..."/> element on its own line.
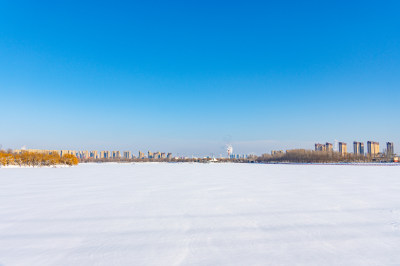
<point x="29" y="166"/>
<point x="221" y="163"/>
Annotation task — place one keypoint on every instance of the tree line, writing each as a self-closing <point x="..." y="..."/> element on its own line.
<point x="36" y="159"/>
<point x="308" y="156"/>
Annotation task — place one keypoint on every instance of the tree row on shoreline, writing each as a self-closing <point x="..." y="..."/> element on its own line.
<point x="308" y="156"/>
<point x="36" y="159"/>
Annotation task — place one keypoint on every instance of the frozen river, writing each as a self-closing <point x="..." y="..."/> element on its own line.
<point x="200" y="214"/>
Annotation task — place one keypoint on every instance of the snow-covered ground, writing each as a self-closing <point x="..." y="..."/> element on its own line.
<point x="200" y="214"/>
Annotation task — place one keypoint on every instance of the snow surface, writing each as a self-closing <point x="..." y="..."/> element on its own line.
<point x="200" y="214"/>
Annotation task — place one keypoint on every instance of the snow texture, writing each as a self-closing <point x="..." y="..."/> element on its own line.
<point x="200" y="214"/>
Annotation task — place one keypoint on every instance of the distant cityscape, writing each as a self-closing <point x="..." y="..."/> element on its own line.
<point x="373" y="153"/>
<point x="358" y="148"/>
<point x="127" y="155"/>
<point x="102" y="154"/>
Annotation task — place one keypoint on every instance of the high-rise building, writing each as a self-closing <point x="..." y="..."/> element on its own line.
<point x="116" y="154"/>
<point x="328" y="147"/>
<point x="169" y="156"/>
<point x="362" y="148"/>
<point x="71" y="152"/>
<point x="127" y="155"/>
<point x="389" y="149"/>
<point x="93" y="155"/>
<point x="85" y="154"/>
<point x="105" y="155"/>
<point x="358" y="148"/>
<point x="319" y="147"/>
<point x="141" y="155"/>
<point x="157" y="155"/>
<point x="342" y="148"/>
<point x="162" y="155"/>
<point x="373" y="148"/>
<point x="149" y="155"/>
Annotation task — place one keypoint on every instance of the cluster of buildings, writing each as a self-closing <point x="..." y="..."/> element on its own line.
<point x="155" y="155"/>
<point x="372" y="150"/>
<point x="275" y="153"/>
<point x="231" y="155"/>
<point x="101" y="154"/>
<point x="238" y="156"/>
<point x="358" y="148"/>
<point x="324" y="147"/>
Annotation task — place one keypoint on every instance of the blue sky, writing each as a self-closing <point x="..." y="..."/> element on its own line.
<point x="190" y="76"/>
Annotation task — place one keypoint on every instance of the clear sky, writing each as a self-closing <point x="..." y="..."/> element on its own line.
<point x="191" y="76"/>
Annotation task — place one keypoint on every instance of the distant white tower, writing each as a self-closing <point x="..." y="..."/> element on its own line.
<point x="336" y="147"/>
<point x="229" y="150"/>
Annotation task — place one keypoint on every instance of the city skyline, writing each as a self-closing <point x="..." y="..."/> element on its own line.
<point x="371" y="148"/>
<point x="192" y="78"/>
<point x="218" y="148"/>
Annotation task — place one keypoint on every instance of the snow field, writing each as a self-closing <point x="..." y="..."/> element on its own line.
<point x="200" y="214"/>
